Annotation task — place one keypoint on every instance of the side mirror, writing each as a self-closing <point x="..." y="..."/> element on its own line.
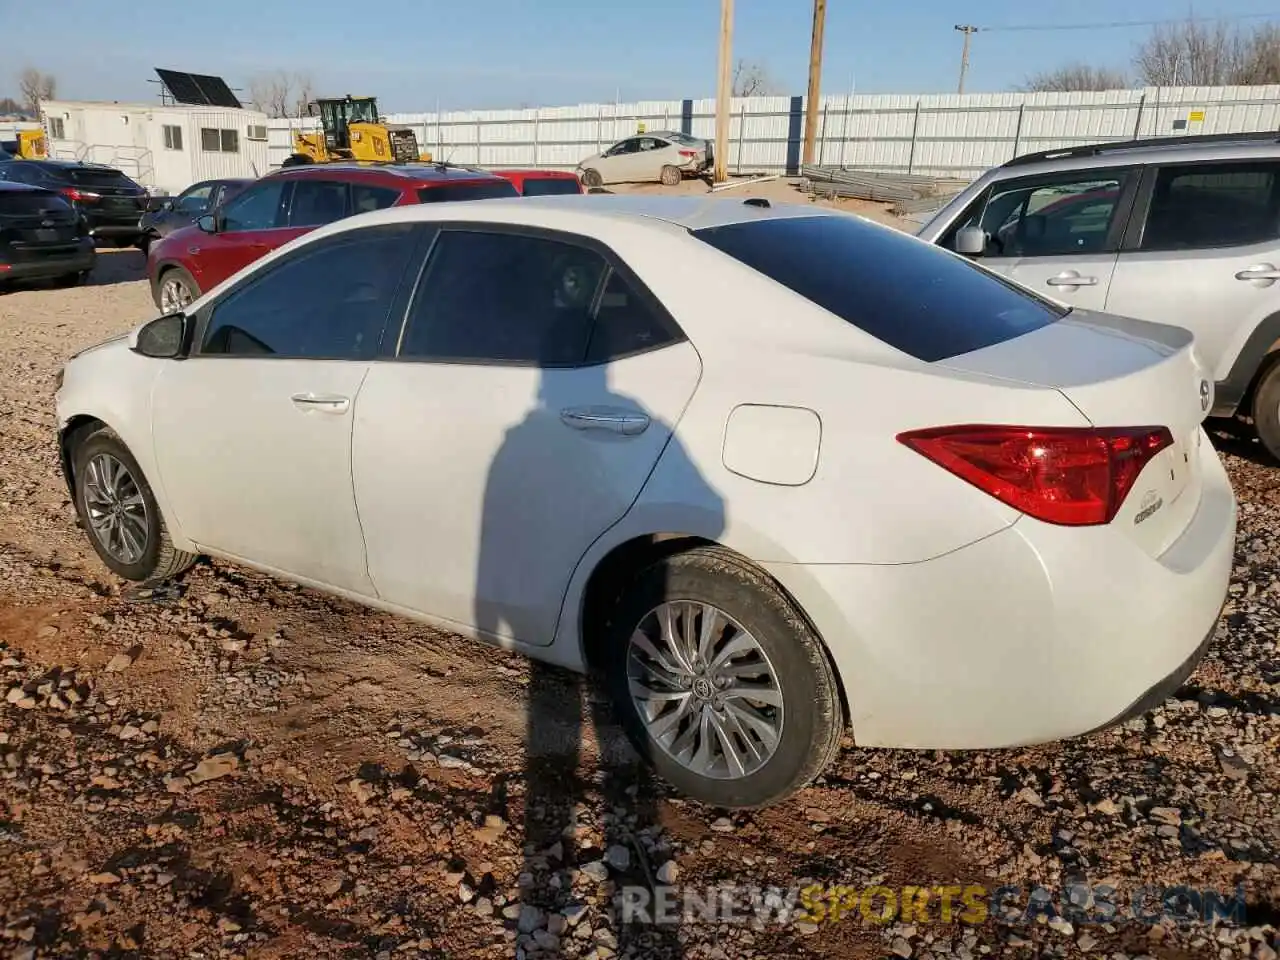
<point x="971" y="241"/>
<point x="208" y="223"/>
<point x="163" y="338"/>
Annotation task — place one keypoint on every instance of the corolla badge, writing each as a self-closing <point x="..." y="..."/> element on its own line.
<point x="1204" y="395"/>
<point x="1151" y="502"/>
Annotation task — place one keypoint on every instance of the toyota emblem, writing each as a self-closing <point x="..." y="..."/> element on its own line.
<point x="1204" y="395"/>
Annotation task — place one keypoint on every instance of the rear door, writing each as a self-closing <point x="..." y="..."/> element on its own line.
<point x="532" y="390"/>
<point x="1205" y="254"/>
<point x="1058" y="234"/>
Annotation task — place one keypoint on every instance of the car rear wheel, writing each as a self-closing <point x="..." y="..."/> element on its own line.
<point x="719" y="682"/>
<point x="177" y="290"/>
<point x="592" y="178"/>
<point x="119" y="511"/>
<point x="1266" y="410"/>
<point x="671" y="176"/>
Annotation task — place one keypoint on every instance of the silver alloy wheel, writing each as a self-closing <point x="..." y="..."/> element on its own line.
<point x="705" y="689"/>
<point x="116" y="509"/>
<point x="174" y="295"/>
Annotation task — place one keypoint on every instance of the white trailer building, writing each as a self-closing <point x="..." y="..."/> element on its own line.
<point x="164" y="148"/>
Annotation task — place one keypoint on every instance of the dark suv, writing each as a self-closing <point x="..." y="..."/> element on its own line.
<point x="41" y="237"/>
<point x="112" y="205"/>
<point x="290" y="202"/>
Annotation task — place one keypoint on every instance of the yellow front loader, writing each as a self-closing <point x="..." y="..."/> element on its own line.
<point x="29" y="145"/>
<point x="351" y="129"/>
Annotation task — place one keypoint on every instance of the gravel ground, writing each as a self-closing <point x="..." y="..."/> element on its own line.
<point x="251" y="769"/>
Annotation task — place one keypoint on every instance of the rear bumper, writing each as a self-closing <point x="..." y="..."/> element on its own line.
<point x="46" y="267"/>
<point x="1033" y="634"/>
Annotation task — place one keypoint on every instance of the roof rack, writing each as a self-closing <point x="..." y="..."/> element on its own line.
<point x="1096" y="149"/>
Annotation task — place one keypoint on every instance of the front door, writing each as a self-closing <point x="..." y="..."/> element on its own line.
<point x="250" y="225"/>
<point x="1057" y="234"/>
<point x="532" y="394"/>
<point x="253" y="431"/>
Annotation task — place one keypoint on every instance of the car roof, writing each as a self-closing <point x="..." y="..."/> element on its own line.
<point x="1154" y="150"/>
<point x="534" y="173"/>
<point x="421" y="174"/>
<point x="64" y="164"/>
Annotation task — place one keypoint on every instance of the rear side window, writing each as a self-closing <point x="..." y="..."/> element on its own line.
<point x="365" y="198"/>
<point x="467" y="190"/>
<point x="549" y="186"/>
<point x="503" y="297"/>
<point x="17" y="203"/>
<point x="913" y="296"/>
<point x="1213" y="205"/>
<point x="317" y="202"/>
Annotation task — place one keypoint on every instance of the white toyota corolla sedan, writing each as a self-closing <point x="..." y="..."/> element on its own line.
<point x="776" y="472"/>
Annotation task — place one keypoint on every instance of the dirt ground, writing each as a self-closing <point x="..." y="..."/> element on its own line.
<point x="249" y="769"/>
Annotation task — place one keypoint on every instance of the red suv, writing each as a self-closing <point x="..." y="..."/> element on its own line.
<point x="542" y="183"/>
<point x="286" y="204"/>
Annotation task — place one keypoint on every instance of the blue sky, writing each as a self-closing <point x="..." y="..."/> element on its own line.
<point x="498" y="53"/>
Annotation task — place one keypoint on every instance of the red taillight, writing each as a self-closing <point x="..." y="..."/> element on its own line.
<point x="80" y="196"/>
<point x="688" y="153"/>
<point x="1069" y="476"/>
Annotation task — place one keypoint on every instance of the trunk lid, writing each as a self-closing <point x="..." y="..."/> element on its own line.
<point x="1121" y="372"/>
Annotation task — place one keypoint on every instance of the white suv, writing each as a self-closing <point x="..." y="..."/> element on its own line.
<point x="1181" y="230"/>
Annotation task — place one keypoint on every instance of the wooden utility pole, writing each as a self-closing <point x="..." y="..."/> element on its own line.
<point x="724" y="91"/>
<point x="968" y="30"/>
<point x="815" y="80"/>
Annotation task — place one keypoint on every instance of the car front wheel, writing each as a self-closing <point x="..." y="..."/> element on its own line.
<point x="720" y="683"/>
<point x="592" y="178"/>
<point x="177" y="290"/>
<point x="119" y="511"/>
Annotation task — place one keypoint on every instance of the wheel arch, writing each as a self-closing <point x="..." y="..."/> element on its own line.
<point x="1255" y="358"/>
<point x="612" y="572"/>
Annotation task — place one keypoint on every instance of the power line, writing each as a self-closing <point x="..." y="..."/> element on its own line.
<point x="1125" y="24"/>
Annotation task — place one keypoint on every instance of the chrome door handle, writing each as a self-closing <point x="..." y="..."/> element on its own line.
<point x="1259" y="271"/>
<point x="585" y="418"/>
<point x="1072" y="280"/>
<point x="321" y="402"/>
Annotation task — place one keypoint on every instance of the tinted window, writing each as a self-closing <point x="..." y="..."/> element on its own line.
<point x="94" y="177"/>
<point x="919" y="299"/>
<point x="503" y="297"/>
<point x="195" y="200"/>
<point x="23" y="173"/>
<point x="548" y="186"/>
<point x="1219" y="205"/>
<point x="16" y="203"/>
<point x="365" y="198"/>
<point x="626" y="323"/>
<point x="316" y="202"/>
<point x="467" y="190"/>
<point x="258" y="208"/>
<point x="329" y="301"/>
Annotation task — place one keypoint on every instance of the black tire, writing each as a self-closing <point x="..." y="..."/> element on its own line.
<point x="177" y="275"/>
<point x="159" y="559"/>
<point x="1266" y="410"/>
<point x="72" y="279"/>
<point x="812" y="720"/>
<point x="144" y="243"/>
<point x="591" y="178"/>
<point x="671" y="176"/>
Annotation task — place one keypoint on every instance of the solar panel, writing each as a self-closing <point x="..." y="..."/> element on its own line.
<point x="197" y="88"/>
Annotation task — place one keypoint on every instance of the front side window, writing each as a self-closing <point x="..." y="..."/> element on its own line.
<point x="329" y="301"/>
<point x="468" y="190"/>
<point x="1047" y="219"/>
<point x="317" y="202"/>
<point x="504" y="297"/>
<point x="1213" y="205"/>
<point x="258" y="208"/>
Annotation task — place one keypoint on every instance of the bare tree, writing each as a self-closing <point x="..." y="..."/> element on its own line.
<point x="304" y="93"/>
<point x="751" y="79"/>
<point x="35" y="86"/>
<point x="1196" y="53"/>
<point x="280" y="93"/>
<point x="1076" y="77"/>
<point x="8" y="105"/>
